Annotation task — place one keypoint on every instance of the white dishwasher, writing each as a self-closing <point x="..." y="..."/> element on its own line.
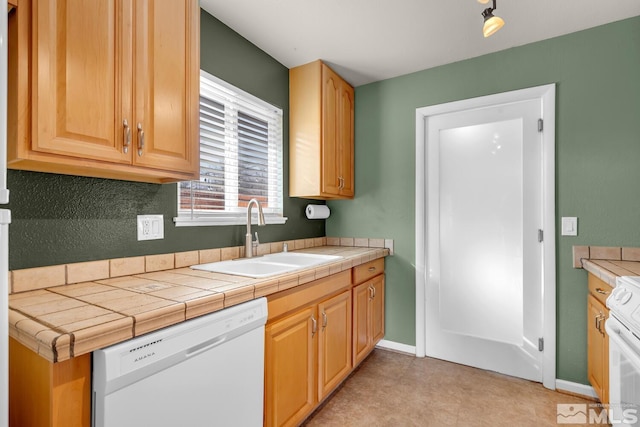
<point x="208" y="371"/>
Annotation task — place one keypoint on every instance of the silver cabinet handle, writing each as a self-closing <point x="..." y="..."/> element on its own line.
<point x="599" y="318"/>
<point x="373" y="288"/>
<point x="140" y="139"/>
<point x="324" y="320"/>
<point x="602" y="291"/>
<point x="126" y="137"/>
<point x="372" y="269"/>
<point x="370" y="292"/>
<point x="314" y="325"/>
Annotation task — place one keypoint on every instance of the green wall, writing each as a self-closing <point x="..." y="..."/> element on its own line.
<point x="597" y="73"/>
<point x="59" y="219"/>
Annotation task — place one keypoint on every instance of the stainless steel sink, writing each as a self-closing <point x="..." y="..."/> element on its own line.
<point x="267" y="265"/>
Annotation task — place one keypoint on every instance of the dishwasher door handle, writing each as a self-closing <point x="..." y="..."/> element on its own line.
<point x="202" y="347"/>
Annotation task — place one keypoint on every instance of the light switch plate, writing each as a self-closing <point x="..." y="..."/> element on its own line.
<point x="569" y="226"/>
<point x="150" y="227"/>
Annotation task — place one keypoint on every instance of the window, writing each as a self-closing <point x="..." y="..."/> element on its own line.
<point x="240" y="158"/>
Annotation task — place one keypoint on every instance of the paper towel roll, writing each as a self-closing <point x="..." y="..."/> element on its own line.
<point x="317" y="211"/>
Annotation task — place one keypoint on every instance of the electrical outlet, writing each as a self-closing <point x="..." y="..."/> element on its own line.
<point x="150" y="227"/>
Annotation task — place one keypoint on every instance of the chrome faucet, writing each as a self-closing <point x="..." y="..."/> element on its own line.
<point x="248" y="239"/>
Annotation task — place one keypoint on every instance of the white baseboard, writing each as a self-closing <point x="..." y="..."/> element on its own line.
<point x="577" y="388"/>
<point x="396" y="346"/>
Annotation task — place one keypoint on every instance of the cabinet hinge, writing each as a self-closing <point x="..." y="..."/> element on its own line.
<point x="540" y="125"/>
<point x="540" y="344"/>
<point x="540" y="235"/>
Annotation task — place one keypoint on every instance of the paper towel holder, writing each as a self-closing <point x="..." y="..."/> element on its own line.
<point x="317" y="211"/>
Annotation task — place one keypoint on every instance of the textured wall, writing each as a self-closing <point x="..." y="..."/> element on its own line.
<point x="598" y="151"/>
<point x="60" y="219"/>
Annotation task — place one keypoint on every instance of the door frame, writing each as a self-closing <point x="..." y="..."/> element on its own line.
<point x="546" y="94"/>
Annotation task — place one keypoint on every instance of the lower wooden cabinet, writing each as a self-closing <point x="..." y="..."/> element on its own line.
<point x="290" y="359"/>
<point x="597" y="338"/>
<point x="46" y="394"/>
<point x="368" y="317"/>
<point x="598" y="345"/>
<point x="316" y="335"/>
<point x="307" y="354"/>
<point x="334" y="342"/>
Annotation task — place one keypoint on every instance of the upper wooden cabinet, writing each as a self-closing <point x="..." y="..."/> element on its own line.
<point x="111" y="88"/>
<point x="321" y="133"/>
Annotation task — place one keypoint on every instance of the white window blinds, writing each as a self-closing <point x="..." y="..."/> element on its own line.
<point x="240" y="158"/>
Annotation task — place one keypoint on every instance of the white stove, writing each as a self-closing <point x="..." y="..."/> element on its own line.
<point x="623" y="327"/>
<point x="624" y="302"/>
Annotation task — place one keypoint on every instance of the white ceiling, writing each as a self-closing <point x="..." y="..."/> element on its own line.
<point x="371" y="40"/>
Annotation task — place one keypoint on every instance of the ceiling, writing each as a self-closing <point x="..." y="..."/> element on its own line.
<point x="371" y="40"/>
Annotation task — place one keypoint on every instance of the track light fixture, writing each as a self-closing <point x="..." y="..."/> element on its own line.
<point x="491" y="23"/>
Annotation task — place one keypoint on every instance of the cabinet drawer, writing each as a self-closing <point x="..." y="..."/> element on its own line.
<point x="292" y="299"/>
<point x="364" y="272"/>
<point x="599" y="289"/>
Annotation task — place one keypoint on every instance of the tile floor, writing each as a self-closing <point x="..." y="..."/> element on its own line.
<point x="393" y="389"/>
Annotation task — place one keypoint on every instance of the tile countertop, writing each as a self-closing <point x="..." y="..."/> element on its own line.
<point x="606" y="262"/>
<point x="65" y="321"/>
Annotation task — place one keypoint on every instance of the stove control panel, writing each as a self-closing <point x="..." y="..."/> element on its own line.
<point x="622" y="295"/>
<point x="624" y="302"/>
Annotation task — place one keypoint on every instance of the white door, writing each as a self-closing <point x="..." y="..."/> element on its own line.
<point x="484" y="290"/>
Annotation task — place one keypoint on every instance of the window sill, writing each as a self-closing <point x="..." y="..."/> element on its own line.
<point x="225" y="220"/>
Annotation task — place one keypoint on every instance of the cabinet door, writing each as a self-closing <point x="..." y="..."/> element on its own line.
<point x="166" y="81"/>
<point x="346" y="139"/>
<point x="290" y="368"/>
<point x="334" y="342"/>
<point x="361" y="319"/>
<point x="598" y="350"/>
<point x="81" y="60"/>
<point x="331" y="86"/>
<point x="42" y="393"/>
<point x="377" y="310"/>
